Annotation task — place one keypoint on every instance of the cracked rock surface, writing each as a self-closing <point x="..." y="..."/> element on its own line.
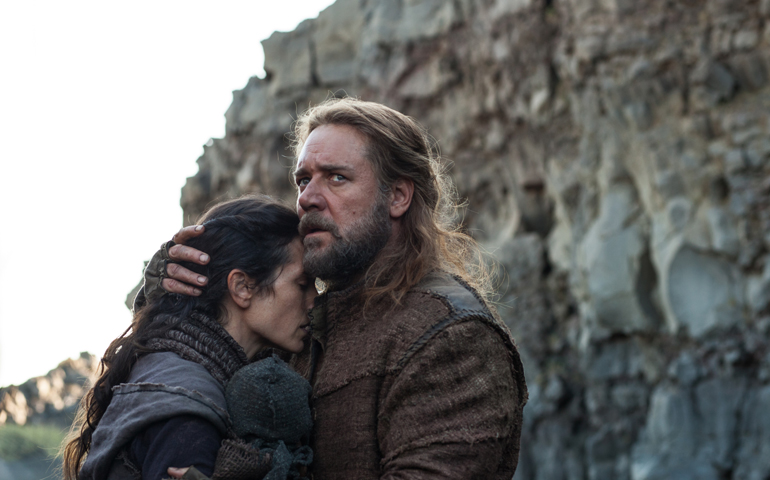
<point x="615" y="156"/>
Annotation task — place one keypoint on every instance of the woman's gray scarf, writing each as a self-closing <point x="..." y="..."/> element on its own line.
<point x="201" y="339"/>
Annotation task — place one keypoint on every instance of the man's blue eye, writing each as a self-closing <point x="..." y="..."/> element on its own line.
<point x="337" y="177"/>
<point x="302" y="182"/>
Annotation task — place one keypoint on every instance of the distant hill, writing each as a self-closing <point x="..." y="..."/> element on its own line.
<point x="35" y="416"/>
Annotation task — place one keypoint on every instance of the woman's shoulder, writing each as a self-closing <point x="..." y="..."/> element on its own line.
<point x="161" y="386"/>
<point x="169" y="369"/>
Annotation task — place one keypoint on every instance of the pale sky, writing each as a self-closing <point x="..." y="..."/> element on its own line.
<point x="104" y="108"/>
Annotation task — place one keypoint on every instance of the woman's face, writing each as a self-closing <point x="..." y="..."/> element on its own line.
<point x="281" y="318"/>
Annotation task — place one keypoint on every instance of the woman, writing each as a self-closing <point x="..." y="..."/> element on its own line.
<point x="160" y="400"/>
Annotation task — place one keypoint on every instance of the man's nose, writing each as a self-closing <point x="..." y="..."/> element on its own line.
<point x="311" y="198"/>
<point x="310" y="298"/>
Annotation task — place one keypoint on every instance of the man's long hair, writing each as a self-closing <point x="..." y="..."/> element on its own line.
<point x="399" y="147"/>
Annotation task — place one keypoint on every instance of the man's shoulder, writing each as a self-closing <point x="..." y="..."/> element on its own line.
<point x="442" y="301"/>
<point x="439" y="299"/>
<point x="458" y="296"/>
<point x="468" y="317"/>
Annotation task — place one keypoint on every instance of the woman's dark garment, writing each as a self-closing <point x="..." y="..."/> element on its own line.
<point x="186" y="377"/>
<point x="183" y="440"/>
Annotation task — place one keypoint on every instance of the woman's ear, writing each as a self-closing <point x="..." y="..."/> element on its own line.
<point x="239" y="286"/>
<point x="401" y="191"/>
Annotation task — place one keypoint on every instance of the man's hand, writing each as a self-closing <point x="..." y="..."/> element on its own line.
<point x="163" y="275"/>
<point x="179" y="279"/>
<point x="177" y="472"/>
<point x="189" y="473"/>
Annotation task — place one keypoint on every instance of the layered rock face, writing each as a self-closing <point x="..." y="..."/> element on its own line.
<point x="614" y="155"/>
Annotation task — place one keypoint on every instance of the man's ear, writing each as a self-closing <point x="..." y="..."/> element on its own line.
<point x="240" y="289"/>
<point x="401" y="191"/>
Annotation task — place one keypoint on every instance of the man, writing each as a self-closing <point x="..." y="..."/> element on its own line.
<point x="413" y="376"/>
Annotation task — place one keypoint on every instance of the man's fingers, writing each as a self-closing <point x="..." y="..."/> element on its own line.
<point x="187" y="233"/>
<point x="177" y="472"/>
<point x="178" y="272"/>
<point x="175" y="286"/>
<point x="182" y="253"/>
<point x="181" y="280"/>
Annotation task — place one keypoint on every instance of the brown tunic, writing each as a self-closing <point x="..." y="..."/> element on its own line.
<point x="433" y="389"/>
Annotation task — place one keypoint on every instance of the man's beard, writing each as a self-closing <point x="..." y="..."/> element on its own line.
<point x="346" y="256"/>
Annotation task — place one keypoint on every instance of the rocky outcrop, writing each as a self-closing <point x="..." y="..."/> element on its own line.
<point x="615" y="157"/>
<point x="45" y="406"/>
<point x="51" y="399"/>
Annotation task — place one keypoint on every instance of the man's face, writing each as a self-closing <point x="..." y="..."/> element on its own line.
<point x="344" y="216"/>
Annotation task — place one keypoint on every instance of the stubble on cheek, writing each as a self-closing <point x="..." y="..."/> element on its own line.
<point x="312" y="246"/>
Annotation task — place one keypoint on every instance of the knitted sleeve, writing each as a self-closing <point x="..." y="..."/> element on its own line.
<point x="454" y="409"/>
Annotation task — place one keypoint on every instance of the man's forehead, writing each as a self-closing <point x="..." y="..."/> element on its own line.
<point x="323" y="166"/>
<point x="332" y="147"/>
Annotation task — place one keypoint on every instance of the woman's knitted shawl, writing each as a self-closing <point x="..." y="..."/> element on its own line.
<point x="202" y="340"/>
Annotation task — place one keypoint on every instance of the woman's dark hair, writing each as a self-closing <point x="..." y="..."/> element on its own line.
<point x="252" y="234"/>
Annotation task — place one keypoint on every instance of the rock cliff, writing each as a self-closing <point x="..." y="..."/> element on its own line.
<point x="614" y="155"/>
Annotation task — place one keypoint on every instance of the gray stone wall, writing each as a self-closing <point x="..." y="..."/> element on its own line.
<point x="614" y="155"/>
